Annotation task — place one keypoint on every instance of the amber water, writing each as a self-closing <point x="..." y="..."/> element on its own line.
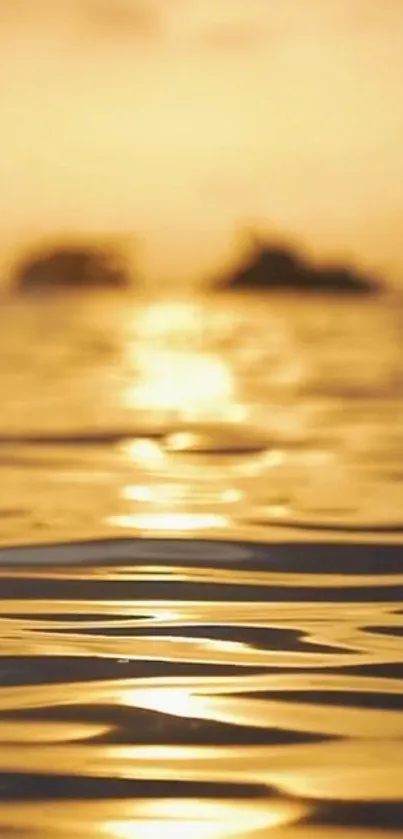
<point x="201" y="616"/>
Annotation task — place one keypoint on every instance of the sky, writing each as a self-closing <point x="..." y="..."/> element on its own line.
<point x="182" y="123"/>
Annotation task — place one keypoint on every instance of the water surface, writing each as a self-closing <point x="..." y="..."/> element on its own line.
<point x="201" y="569"/>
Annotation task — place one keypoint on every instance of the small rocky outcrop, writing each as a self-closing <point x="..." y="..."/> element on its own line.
<point x="277" y="268"/>
<point x="71" y="267"/>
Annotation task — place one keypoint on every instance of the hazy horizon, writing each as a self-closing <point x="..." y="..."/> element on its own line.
<point x="181" y="122"/>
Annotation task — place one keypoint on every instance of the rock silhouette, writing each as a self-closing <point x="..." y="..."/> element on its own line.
<point x="80" y="267"/>
<point x="270" y="267"/>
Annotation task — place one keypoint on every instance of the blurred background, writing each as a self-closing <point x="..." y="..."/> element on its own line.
<point x="201" y="419"/>
<point x="178" y="123"/>
<point x="201" y="266"/>
<point x="200" y="257"/>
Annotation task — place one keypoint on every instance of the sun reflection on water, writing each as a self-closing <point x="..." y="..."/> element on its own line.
<point x="169" y="522"/>
<point x="173" y="373"/>
<point x="199" y="819"/>
<point x="171" y="319"/>
<point x="182" y="381"/>
<point x="176" y="379"/>
<point x="146" y="454"/>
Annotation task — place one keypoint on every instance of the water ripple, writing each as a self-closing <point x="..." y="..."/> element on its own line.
<point x="246" y="681"/>
<point x="185" y="684"/>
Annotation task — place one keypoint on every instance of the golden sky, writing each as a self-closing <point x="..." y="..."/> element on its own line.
<point x="183" y="120"/>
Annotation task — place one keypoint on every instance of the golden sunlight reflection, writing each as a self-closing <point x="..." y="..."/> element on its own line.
<point x="145" y="453"/>
<point x="138" y="493"/>
<point x="183" y="381"/>
<point x="171" y="373"/>
<point x="168" y="522"/>
<point x="170" y="319"/>
<point x="49" y="732"/>
<point x="178" y="493"/>
<point x="173" y="379"/>
<point x="182" y="819"/>
<point x="176" y="701"/>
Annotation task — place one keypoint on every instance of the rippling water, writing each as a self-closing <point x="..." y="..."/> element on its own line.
<point x="201" y="569"/>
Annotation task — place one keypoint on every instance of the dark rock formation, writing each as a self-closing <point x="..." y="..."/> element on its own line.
<point x="277" y="268"/>
<point x="80" y="267"/>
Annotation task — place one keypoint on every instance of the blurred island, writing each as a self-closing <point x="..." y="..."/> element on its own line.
<point x="71" y="267"/>
<point x="278" y="268"/>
